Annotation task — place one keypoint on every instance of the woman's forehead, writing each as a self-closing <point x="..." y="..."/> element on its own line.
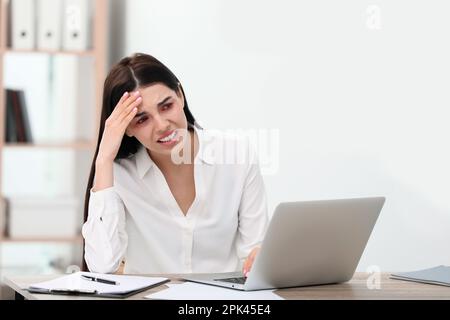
<point x="155" y="96"/>
<point x="156" y="90"/>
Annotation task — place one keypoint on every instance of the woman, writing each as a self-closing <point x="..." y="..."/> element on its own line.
<point x="158" y="195"/>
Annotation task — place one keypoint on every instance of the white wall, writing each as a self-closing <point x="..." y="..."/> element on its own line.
<point x="358" y="90"/>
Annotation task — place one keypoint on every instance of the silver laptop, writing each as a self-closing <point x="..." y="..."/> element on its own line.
<point x="307" y="243"/>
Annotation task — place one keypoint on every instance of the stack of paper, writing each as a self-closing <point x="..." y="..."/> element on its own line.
<point x="196" y="291"/>
<point x="75" y="284"/>
<point x="438" y="275"/>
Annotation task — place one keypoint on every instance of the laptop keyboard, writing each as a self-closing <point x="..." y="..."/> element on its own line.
<point x="239" y="280"/>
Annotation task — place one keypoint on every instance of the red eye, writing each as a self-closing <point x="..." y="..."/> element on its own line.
<point x="167" y="106"/>
<point x="141" y="120"/>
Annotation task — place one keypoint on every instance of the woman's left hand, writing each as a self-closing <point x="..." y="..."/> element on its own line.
<point x="249" y="261"/>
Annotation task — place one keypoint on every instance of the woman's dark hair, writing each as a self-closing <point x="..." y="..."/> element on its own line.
<point x="137" y="71"/>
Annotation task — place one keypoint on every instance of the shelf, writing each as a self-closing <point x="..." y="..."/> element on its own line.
<point x="78" y="239"/>
<point x="80" y="146"/>
<point x="28" y="51"/>
<point x="69" y="145"/>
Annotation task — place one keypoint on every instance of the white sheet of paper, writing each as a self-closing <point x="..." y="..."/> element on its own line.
<point x="197" y="291"/>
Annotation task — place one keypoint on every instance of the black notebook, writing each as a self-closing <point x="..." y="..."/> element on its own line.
<point x="438" y="275"/>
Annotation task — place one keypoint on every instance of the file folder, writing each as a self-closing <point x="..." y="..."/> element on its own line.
<point x="439" y="275"/>
<point x="77" y="24"/>
<point x="74" y="284"/>
<point x="49" y="24"/>
<point x="23" y="24"/>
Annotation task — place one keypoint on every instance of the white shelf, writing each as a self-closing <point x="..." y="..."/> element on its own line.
<point x="99" y="55"/>
<point x="78" y="240"/>
<point x="83" y="145"/>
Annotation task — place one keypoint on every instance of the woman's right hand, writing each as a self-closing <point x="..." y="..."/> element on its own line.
<point x="116" y="124"/>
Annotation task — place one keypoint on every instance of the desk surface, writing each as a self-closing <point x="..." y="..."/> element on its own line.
<point x="355" y="289"/>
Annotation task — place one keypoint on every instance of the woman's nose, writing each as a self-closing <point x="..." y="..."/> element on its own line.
<point x="160" y="123"/>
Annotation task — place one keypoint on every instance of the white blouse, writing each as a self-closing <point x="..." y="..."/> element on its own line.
<point x="138" y="219"/>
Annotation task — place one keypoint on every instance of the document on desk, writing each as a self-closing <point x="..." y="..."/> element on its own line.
<point x="197" y="291"/>
<point x="438" y="275"/>
<point x="74" y="283"/>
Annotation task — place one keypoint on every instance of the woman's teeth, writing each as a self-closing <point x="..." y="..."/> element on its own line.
<point x="168" y="138"/>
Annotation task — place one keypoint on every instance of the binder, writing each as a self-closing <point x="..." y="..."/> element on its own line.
<point x="25" y="116"/>
<point x="18" y="117"/>
<point x="23" y="24"/>
<point x="18" y="127"/>
<point x="49" y="24"/>
<point x="3" y="216"/>
<point x="77" y="33"/>
<point x="75" y="284"/>
<point x="11" y="130"/>
<point x="65" y="99"/>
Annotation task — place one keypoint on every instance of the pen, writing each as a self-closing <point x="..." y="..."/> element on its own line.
<point x="99" y="280"/>
<point x="61" y="291"/>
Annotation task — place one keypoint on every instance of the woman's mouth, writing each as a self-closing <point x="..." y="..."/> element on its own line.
<point x="169" y="139"/>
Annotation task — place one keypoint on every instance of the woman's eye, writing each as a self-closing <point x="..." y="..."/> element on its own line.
<point x="141" y="120"/>
<point x="166" y="106"/>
